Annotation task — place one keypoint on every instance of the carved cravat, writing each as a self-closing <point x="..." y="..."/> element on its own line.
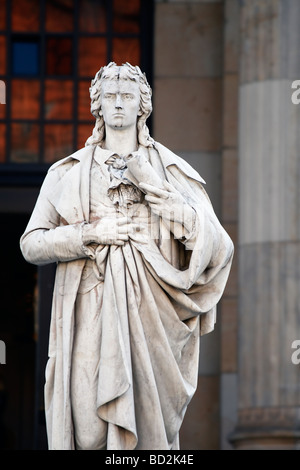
<point x="121" y="191"/>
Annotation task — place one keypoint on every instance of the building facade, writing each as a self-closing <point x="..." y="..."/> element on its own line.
<point x="221" y="73"/>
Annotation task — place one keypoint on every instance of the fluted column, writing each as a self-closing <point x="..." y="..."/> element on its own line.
<point x="269" y="221"/>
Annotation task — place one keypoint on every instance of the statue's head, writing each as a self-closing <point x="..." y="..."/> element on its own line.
<point x="124" y="72"/>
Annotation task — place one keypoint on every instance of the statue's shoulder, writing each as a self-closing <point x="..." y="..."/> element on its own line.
<point x="79" y="156"/>
<point x="61" y="168"/>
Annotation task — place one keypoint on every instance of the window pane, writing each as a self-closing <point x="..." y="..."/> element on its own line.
<point x="26" y="15"/>
<point x="2" y="14"/>
<point x="58" y="141"/>
<point x="25" y="58"/>
<point x="2" y="55"/>
<point x="84" y="101"/>
<point x="2" y="142"/>
<point x="92" y="16"/>
<point x="84" y="132"/>
<point x="59" y="15"/>
<point x="24" y="142"/>
<point x="126" y="16"/>
<point x="126" y="50"/>
<point x="92" y="56"/>
<point x="25" y="99"/>
<point x="58" y="99"/>
<point x="59" y="56"/>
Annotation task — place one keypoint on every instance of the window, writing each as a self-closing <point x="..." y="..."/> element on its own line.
<point x="25" y="57"/>
<point x="49" y="52"/>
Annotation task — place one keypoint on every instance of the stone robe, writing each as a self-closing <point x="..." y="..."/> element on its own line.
<point x="158" y="291"/>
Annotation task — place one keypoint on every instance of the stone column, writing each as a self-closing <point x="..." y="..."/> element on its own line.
<point x="269" y="221"/>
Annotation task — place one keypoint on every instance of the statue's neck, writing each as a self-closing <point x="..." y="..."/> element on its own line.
<point x="121" y="141"/>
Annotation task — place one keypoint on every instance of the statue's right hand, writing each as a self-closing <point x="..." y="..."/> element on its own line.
<point x="106" y="231"/>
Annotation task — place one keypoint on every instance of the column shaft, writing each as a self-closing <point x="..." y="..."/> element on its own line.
<point x="269" y="220"/>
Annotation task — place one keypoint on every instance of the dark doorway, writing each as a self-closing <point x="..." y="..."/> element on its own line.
<point x="18" y="331"/>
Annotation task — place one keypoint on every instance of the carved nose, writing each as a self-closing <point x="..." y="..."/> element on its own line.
<point x="119" y="103"/>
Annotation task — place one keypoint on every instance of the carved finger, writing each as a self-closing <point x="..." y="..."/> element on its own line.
<point x="122" y="230"/>
<point x="123" y="220"/>
<point x="152" y="199"/>
<point x="123" y="236"/>
<point x="169" y="187"/>
<point x="153" y="190"/>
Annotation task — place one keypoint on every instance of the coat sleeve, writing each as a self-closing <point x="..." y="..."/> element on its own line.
<point x="46" y="239"/>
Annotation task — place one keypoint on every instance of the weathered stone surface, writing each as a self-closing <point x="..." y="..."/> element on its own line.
<point x="271" y="38"/>
<point x="190" y="29"/>
<point x="200" y="418"/>
<point x="200" y="102"/>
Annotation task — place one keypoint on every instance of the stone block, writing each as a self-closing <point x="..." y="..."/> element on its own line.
<point x="230" y="110"/>
<point x="188" y="39"/>
<point x="188" y="114"/>
<point x="208" y="165"/>
<point x="200" y="429"/>
<point x="231" y="36"/>
<point x="209" y="363"/>
<point x="260" y="38"/>
<point x="228" y="320"/>
<point x="269" y="147"/>
<point x="228" y="409"/>
<point x="270" y="38"/>
<point x="229" y="185"/>
<point x="269" y="323"/>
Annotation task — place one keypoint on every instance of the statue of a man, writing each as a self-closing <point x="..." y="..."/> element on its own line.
<point x="142" y="262"/>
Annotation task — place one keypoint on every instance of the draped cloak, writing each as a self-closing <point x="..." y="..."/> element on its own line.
<point x="158" y="294"/>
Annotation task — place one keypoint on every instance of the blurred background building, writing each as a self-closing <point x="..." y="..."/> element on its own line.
<point x="221" y="73"/>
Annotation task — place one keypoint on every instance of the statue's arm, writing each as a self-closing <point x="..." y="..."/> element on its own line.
<point x="49" y="245"/>
<point x="47" y="239"/>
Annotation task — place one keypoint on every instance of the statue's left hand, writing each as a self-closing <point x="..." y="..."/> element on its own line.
<point x="168" y="203"/>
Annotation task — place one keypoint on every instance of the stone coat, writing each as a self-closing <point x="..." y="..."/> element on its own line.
<point x="156" y="295"/>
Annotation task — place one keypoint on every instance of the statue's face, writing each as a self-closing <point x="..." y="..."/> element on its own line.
<point x="120" y="103"/>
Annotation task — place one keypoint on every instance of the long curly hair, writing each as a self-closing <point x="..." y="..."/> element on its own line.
<point x="124" y="72"/>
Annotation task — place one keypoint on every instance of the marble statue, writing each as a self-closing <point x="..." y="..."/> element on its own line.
<point x="142" y="262"/>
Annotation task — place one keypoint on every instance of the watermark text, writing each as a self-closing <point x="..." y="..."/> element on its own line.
<point x="296" y="354"/>
<point x="2" y="92"/>
<point x="2" y="352"/>
<point x="296" y="94"/>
